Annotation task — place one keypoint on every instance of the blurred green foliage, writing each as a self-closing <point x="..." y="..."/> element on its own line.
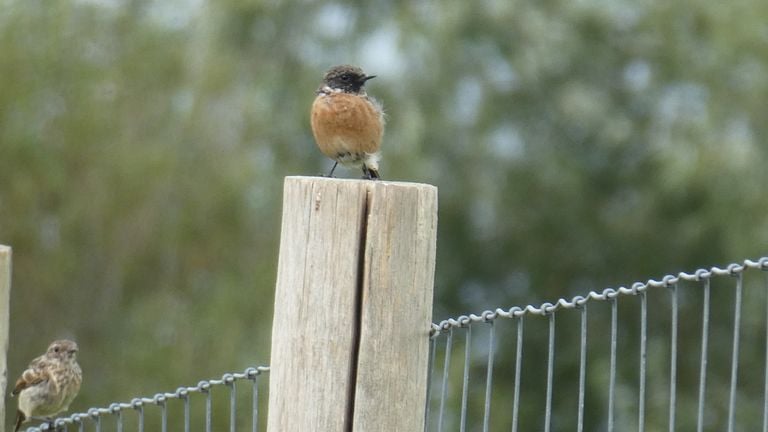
<point x="576" y="145"/>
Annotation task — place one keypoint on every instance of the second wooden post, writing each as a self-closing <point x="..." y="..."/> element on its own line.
<point x="5" y="298"/>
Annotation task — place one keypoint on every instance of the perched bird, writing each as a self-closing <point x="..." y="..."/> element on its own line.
<point x="348" y="124"/>
<point x="49" y="384"/>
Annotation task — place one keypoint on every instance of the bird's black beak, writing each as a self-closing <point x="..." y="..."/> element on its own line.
<point x="369" y="77"/>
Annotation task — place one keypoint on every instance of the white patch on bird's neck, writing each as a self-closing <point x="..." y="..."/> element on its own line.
<point x="327" y="90"/>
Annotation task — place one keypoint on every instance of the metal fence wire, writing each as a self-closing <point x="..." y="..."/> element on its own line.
<point x="179" y="408"/>
<point x="687" y="352"/>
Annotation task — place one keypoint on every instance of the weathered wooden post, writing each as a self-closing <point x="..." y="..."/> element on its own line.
<point x="353" y="306"/>
<point x="5" y="298"/>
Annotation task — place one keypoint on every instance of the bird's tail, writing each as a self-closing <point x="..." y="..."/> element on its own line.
<point x="20" y="417"/>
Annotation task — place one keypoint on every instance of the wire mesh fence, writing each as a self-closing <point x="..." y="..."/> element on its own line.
<point x="688" y="352"/>
<point x="231" y="403"/>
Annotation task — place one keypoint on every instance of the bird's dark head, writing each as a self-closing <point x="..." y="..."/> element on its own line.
<point x="349" y="79"/>
<point x="63" y="349"/>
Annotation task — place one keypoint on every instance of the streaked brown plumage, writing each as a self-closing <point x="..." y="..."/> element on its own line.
<point x="49" y="384"/>
<point x="347" y="124"/>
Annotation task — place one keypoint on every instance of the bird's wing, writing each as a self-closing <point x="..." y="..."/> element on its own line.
<point x="36" y="372"/>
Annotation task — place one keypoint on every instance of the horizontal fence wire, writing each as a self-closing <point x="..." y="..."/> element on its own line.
<point x="607" y="294"/>
<point x="115" y="417"/>
<point x="687" y="352"/>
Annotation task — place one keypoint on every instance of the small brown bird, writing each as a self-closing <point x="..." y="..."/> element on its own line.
<point x="49" y="384"/>
<point x="348" y="125"/>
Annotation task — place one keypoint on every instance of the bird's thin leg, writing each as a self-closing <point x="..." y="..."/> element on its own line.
<point x="330" y="174"/>
<point x="51" y="422"/>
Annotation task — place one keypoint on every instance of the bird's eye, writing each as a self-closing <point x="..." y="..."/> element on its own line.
<point x="346" y="77"/>
<point x="56" y="349"/>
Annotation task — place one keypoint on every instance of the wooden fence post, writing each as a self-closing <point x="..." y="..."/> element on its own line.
<point x="5" y="298"/>
<point x="353" y="306"/>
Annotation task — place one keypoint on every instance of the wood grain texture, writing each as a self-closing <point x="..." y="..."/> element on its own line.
<point x="315" y="302"/>
<point x="5" y="297"/>
<point x="353" y="306"/>
<point x="391" y="385"/>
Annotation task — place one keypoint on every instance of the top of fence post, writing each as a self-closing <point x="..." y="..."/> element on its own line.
<point x="353" y="306"/>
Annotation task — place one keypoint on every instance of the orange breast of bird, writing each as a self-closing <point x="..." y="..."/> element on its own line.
<point x="345" y="123"/>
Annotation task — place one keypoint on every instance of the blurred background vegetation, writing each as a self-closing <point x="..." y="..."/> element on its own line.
<point x="143" y="144"/>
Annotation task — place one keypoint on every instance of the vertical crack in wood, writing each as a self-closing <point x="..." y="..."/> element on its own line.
<point x="355" y="352"/>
